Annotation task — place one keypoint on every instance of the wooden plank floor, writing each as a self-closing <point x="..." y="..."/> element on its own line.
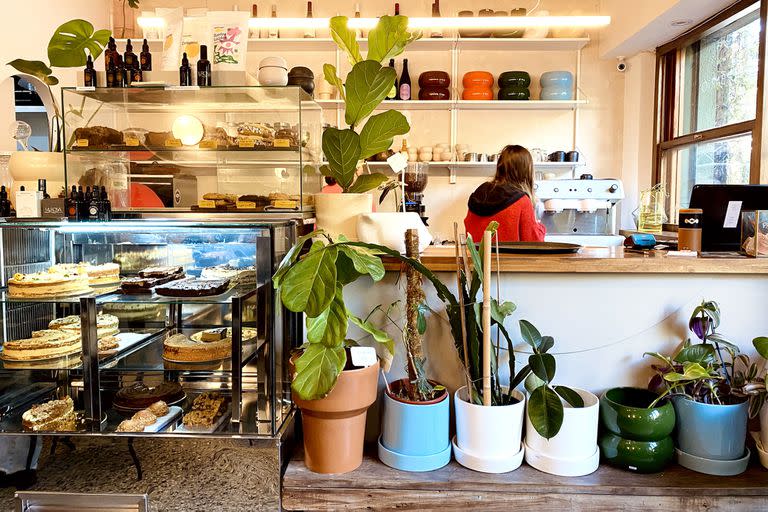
<point x="375" y="486"/>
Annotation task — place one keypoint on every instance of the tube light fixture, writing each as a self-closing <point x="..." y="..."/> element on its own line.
<point x="420" y="23"/>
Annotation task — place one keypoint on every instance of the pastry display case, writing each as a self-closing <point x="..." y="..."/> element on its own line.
<point x="214" y="149"/>
<point x="145" y="327"/>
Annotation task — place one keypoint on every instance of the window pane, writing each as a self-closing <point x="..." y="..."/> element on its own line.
<point x="720" y="77"/>
<point x="715" y="162"/>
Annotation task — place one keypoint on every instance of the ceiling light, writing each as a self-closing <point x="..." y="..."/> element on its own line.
<point x="443" y="22"/>
<point x="681" y="23"/>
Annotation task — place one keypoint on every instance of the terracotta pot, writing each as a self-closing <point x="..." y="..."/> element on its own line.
<point x="334" y="427"/>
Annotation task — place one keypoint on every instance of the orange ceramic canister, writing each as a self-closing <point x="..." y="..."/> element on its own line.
<point x="478" y="85"/>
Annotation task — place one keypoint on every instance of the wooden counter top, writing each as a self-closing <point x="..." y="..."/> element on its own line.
<point x="601" y="260"/>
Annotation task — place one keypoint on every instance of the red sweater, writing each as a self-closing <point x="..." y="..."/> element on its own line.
<point x="517" y="223"/>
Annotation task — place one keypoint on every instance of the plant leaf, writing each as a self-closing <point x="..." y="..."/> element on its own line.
<point x="330" y="327"/>
<point x="421" y="318"/>
<point x="345" y="39"/>
<point x="365" y="262"/>
<point x="761" y="345"/>
<point x="570" y="396"/>
<point x="543" y="366"/>
<point x="701" y="353"/>
<point x="376" y="136"/>
<point x="73" y="41"/>
<point x="545" y="410"/>
<point x="317" y="370"/>
<point x="530" y="334"/>
<point x="345" y="270"/>
<point x="389" y="38"/>
<point x="367" y="85"/>
<point x="378" y="335"/>
<point x="309" y="286"/>
<point x="366" y="182"/>
<point x="691" y="371"/>
<point x="34" y="68"/>
<point x="332" y="77"/>
<point x="290" y="257"/>
<point x="342" y="148"/>
<point x="547" y="342"/>
<point x="720" y="340"/>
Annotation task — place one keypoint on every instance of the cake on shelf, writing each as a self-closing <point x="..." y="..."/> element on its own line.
<point x="106" y="325"/>
<point x="144" y="418"/>
<point x="48" y="284"/>
<point x="237" y="276"/>
<point x="207" y="408"/>
<point x="140" y="396"/>
<point x="180" y="348"/>
<point x="98" y="275"/>
<point x="194" y="288"/>
<point x="46" y="344"/>
<point x="53" y="416"/>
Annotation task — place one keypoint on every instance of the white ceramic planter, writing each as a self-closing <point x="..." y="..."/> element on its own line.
<point x="764" y="425"/>
<point x="573" y="451"/>
<point x="388" y="229"/>
<point x="488" y="439"/>
<point x="337" y="213"/>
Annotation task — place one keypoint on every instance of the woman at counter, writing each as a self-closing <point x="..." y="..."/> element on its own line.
<point x="507" y="199"/>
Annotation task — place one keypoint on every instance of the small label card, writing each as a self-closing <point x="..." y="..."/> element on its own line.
<point x="398" y="162"/>
<point x="282" y="143"/>
<point x="246" y="205"/>
<point x="732" y="215"/>
<point x="245" y="142"/>
<point x="363" y="356"/>
<point x="82" y="143"/>
<point x="208" y="144"/>
<point x="173" y="143"/>
<point x="131" y="141"/>
<point x="206" y="203"/>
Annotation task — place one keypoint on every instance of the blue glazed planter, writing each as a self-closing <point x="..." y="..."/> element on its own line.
<point x="414" y="436"/>
<point x="558" y="79"/>
<point x="717" y="432"/>
<point x="556" y="93"/>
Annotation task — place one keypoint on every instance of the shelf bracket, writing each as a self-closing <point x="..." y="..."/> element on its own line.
<point x="452" y="174"/>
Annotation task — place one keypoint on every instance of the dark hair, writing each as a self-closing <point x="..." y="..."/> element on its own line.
<point x="330" y="181"/>
<point x="515" y="167"/>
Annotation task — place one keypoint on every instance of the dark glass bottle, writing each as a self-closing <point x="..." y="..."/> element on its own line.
<point x="109" y="54"/>
<point x="129" y="58"/>
<point x="5" y="204"/>
<point x="94" y="205"/>
<point x="79" y="213"/>
<point x="86" y="204"/>
<point x="203" y="68"/>
<point x="397" y="92"/>
<point x="122" y="79"/>
<point x="89" y="74"/>
<point x="397" y="9"/>
<point x="185" y="72"/>
<point x="105" y="205"/>
<point x="41" y="187"/>
<point x="112" y="73"/>
<point x="72" y="204"/>
<point x="405" y="82"/>
<point x="145" y="58"/>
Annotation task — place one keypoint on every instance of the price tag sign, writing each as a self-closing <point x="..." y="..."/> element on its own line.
<point x="282" y="143"/>
<point x="206" y="203"/>
<point x="732" y="215"/>
<point x="246" y="143"/>
<point x="131" y="141"/>
<point x="398" y="162"/>
<point x="363" y="356"/>
<point x="208" y="144"/>
<point x="82" y="143"/>
<point x="245" y="204"/>
<point x="173" y="143"/>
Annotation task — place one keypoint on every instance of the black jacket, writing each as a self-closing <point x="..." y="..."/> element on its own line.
<point x="490" y="198"/>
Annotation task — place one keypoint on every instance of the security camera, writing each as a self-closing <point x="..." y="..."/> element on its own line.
<point x="621" y="66"/>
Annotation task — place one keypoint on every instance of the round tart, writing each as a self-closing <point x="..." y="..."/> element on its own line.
<point x="179" y="348"/>
<point x="222" y="334"/>
<point x="106" y="325"/>
<point x="46" y="344"/>
<point x="48" y="284"/>
<point x="140" y="396"/>
<point x="53" y="416"/>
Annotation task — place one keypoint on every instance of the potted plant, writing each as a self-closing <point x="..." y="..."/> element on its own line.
<point x="69" y="47"/>
<point x="332" y="392"/>
<point x="561" y="423"/>
<point x="711" y="412"/>
<point x="753" y="384"/>
<point x="414" y="432"/>
<point x="365" y="87"/>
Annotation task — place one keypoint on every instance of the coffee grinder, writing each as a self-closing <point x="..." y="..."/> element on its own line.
<point x="415" y="176"/>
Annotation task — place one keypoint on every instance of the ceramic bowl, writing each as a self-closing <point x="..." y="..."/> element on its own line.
<point x="273" y="76"/>
<point x="434" y="93"/>
<point x="477" y="79"/>
<point x="556" y="79"/>
<point x="303" y="77"/>
<point x="519" y="79"/>
<point x="470" y="32"/>
<point x="640" y="456"/>
<point x="514" y="93"/>
<point x="555" y="94"/>
<point x="510" y="32"/>
<point x="273" y="62"/>
<point x="434" y="79"/>
<point x="477" y="94"/>
<point x="624" y="411"/>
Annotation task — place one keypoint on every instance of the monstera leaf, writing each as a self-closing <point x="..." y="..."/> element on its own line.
<point x="73" y="41"/>
<point x="367" y="85"/>
<point x="35" y="68"/>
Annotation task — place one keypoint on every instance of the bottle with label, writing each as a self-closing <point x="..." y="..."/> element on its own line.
<point x="405" y="82"/>
<point x="397" y="9"/>
<point x="5" y="204"/>
<point x="253" y="33"/>
<point x="112" y="73"/>
<point x="145" y="57"/>
<point x="94" y="205"/>
<point x="105" y="205"/>
<point x="89" y="74"/>
<point x="436" y="32"/>
<point x="185" y="72"/>
<point x="203" y="68"/>
<point x="358" y="31"/>
<point x="71" y="206"/>
<point x="274" y="32"/>
<point x="80" y="213"/>
<point x="129" y="58"/>
<point x="397" y="92"/>
<point x="109" y="54"/>
<point x="41" y="186"/>
<point x="122" y="78"/>
<point x="309" y="32"/>
<point x="86" y="204"/>
<point x="137" y="75"/>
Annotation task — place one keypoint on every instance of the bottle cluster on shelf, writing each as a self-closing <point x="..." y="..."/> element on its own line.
<point x="121" y="70"/>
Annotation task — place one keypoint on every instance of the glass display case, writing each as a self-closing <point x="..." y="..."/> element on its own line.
<point x="94" y="360"/>
<point x="217" y="149"/>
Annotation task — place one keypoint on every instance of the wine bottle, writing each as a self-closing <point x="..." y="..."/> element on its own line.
<point x="397" y="9"/>
<point x="436" y="32"/>
<point x="309" y="32"/>
<point x="274" y="32"/>
<point x="397" y="92"/>
<point x="72" y="204"/>
<point x="89" y="74"/>
<point x="203" y="68"/>
<point x="358" y="31"/>
<point x="145" y="57"/>
<point x="254" y="32"/>
<point x="405" y="82"/>
<point x="185" y="72"/>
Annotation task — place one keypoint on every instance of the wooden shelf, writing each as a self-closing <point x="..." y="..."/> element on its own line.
<point x="374" y="486"/>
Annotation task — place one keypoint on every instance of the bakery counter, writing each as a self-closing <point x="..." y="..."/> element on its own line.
<point x="594" y="260"/>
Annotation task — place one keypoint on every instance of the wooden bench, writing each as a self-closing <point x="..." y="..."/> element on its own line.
<point x="375" y="486"/>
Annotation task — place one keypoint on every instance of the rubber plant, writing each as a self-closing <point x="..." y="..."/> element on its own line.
<point x="367" y="84"/>
<point x="330" y="265"/>
<point x="69" y="47"/>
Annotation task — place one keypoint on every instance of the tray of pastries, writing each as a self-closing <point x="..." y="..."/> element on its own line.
<point x="208" y="413"/>
<point x="155" y="418"/>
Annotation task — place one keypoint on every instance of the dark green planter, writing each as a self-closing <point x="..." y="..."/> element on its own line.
<point x="514" y="93"/>
<point x="519" y="79"/>
<point x="635" y="437"/>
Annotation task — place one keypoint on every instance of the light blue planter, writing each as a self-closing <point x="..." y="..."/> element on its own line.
<point x="414" y="437"/>
<point x="556" y="93"/>
<point x="715" y="432"/>
<point x="557" y="79"/>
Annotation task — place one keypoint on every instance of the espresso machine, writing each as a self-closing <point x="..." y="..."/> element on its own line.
<point x="581" y="211"/>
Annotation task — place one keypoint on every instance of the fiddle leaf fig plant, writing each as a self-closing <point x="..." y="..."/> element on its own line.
<point x="367" y="84"/>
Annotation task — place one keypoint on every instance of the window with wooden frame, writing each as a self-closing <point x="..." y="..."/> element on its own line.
<point x="709" y="104"/>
